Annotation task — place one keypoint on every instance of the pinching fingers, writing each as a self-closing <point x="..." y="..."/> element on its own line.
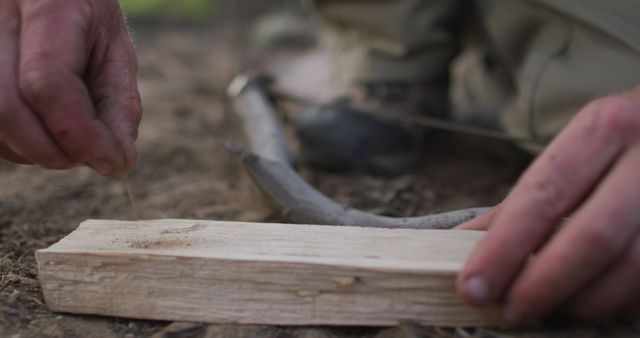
<point x="51" y="81"/>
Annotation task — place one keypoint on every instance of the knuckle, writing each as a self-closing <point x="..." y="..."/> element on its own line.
<point x="37" y="82"/>
<point x="615" y="116"/>
<point x="547" y="194"/>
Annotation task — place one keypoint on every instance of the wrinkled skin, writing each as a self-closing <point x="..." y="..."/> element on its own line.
<point x="68" y="92"/>
<point x="589" y="267"/>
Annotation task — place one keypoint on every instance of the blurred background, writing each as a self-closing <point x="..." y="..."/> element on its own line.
<point x="189" y="51"/>
<point x="184" y="10"/>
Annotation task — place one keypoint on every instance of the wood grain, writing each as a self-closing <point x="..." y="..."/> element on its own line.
<point x="260" y="273"/>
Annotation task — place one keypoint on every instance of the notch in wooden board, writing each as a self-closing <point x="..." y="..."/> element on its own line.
<point x="277" y="274"/>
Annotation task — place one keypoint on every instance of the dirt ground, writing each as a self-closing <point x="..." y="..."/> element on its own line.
<point x="185" y="172"/>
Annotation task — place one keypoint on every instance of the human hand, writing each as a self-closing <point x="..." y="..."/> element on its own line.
<point x="68" y="91"/>
<point x="589" y="267"/>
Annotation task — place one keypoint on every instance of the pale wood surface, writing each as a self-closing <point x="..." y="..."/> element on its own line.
<point x="260" y="273"/>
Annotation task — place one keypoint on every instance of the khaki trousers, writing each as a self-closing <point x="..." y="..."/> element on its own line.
<point x="534" y="62"/>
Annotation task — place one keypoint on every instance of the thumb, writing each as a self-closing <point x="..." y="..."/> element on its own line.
<point x="113" y="85"/>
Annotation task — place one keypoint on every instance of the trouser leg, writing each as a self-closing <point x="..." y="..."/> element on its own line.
<point x="391" y="40"/>
<point x="557" y="56"/>
<point x="541" y="61"/>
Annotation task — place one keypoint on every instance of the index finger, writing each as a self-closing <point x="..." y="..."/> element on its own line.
<point x="550" y="189"/>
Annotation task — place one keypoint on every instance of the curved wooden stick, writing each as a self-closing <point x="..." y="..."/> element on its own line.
<point x="270" y="168"/>
<point x="301" y="203"/>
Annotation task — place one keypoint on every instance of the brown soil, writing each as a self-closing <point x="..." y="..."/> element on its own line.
<point x="185" y="172"/>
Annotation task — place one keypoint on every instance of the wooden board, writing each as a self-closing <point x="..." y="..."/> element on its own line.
<point x="277" y="274"/>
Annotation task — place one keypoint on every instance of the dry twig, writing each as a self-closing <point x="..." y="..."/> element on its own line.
<point x="269" y="164"/>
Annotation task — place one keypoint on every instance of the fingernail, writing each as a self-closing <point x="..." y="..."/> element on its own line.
<point x="512" y="315"/>
<point x="478" y="291"/>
